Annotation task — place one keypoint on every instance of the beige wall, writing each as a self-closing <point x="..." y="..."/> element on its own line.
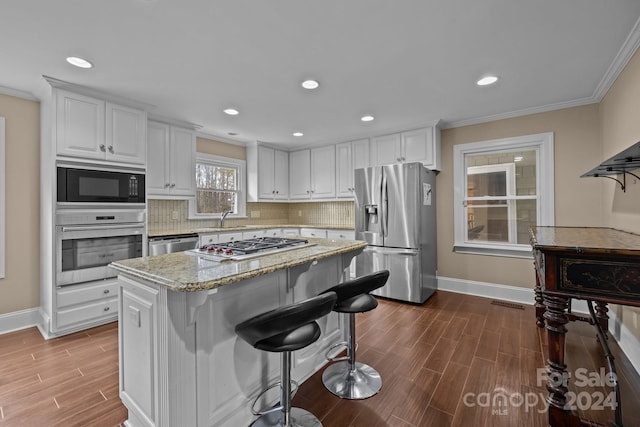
<point x="620" y="118"/>
<point x="209" y="146"/>
<point x="20" y="288"/>
<point x="577" y="149"/>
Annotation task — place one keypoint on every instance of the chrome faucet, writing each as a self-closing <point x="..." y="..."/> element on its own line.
<point x="223" y="216"/>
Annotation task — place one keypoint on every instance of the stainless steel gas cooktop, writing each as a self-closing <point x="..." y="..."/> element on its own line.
<point x="250" y="248"/>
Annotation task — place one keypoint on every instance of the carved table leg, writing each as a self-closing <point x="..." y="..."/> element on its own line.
<point x="556" y="319"/>
<point x="603" y="318"/>
<point x="539" y="304"/>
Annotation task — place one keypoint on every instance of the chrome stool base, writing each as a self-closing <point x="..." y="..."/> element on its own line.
<point x="359" y="383"/>
<point x="298" y="417"/>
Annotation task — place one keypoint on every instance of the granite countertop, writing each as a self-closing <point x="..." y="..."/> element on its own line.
<point x="231" y="228"/>
<point x="185" y="272"/>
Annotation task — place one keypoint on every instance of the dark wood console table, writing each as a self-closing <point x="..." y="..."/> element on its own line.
<point x="596" y="264"/>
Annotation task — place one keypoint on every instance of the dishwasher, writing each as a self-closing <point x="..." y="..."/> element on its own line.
<point x="171" y="244"/>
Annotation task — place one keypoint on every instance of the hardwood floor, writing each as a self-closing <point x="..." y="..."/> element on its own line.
<point x="441" y="364"/>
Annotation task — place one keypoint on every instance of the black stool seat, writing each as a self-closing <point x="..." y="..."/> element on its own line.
<point x="353" y="295"/>
<point x="287" y="328"/>
<point x="350" y="379"/>
<point x="284" y="330"/>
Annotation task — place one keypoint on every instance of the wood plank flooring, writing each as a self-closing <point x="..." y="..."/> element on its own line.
<point x="438" y="362"/>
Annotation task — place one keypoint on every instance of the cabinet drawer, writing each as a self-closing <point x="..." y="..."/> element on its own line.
<point x="208" y="239"/>
<point x="86" y="313"/>
<point x="253" y="234"/>
<point x="341" y="234"/>
<point x="89" y="292"/>
<point x="314" y="232"/>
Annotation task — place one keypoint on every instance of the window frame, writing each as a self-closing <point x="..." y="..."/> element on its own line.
<point x="542" y="144"/>
<point x="241" y="166"/>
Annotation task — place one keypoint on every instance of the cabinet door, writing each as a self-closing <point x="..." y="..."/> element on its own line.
<point x="266" y="173"/>
<point x="344" y="170"/>
<point x="323" y="172"/>
<point x="183" y="162"/>
<point x="80" y="126"/>
<point x="299" y="177"/>
<point x="281" y="174"/>
<point x="360" y="154"/>
<point x="385" y="150"/>
<point x="158" y="140"/>
<point x="418" y="146"/>
<point x="126" y="134"/>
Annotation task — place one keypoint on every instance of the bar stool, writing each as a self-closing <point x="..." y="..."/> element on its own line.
<point x="284" y="330"/>
<point x="349" y="379"/>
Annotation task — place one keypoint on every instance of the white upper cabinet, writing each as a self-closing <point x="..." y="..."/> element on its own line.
<point x="171" y="161"/>
<point x="299" y="174"/>
<point x="91" y="128"/>
<point x="273" y="174"/>
<point x="126" y="136"/>
<point x="312" y="173"/>
<point x="349" y="157"/>
<point x="420" y="145"/>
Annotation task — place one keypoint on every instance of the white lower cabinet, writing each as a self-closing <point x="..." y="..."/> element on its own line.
<point x="314" y="232"/>
<point x="253" y="234"/>
<point x="208" y="239"/>
<point x="81" y="306"/>
<point x="344" y="235"/>
<point x="230" y="237"/>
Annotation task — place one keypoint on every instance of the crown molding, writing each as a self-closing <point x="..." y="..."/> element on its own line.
<point x="518" y="113"/>
<point x="18" y="93"/>
<point x="629" y="47"/>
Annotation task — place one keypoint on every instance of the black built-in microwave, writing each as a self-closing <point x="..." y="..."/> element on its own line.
<point x="99" y="186"/>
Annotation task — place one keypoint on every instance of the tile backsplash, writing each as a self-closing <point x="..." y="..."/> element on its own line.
<point x="169" y="215"/>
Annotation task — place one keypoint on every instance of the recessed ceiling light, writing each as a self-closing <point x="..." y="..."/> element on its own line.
<point x="310" y="84"/>
<point x="488" y="80"/>
<point x="298" y="134"/>
<point x="367" y="118"/>
<point x="231" y="111"/>
<point x="79" y="62"/>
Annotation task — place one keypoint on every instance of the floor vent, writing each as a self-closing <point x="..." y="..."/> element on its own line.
<point x="507" y="304"/>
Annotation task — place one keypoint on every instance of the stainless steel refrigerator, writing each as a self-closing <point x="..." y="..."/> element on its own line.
<point x="396" y="214"/>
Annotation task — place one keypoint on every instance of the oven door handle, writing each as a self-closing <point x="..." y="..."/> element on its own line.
<point x="100" y="227"/>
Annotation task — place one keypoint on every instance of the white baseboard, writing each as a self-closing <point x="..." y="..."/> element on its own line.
<point x="19" y="320"/>
<point x="628" y="342"/>
<point x="487" y="290"/>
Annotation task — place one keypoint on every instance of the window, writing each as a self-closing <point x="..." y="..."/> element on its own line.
<point x="220" y="186"/>
<point x="501" y="188"/>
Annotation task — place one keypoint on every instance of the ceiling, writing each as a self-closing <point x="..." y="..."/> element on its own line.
<point x="409" y="63"/>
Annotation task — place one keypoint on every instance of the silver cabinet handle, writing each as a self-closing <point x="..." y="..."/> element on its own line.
<point x="106" y="309"/>
<point x="172" y="185"/>
<point x="102" y="148"/>
<point x="111" y="149"/>
<point x="167" y="185"/>
<point x="106" y="291"/>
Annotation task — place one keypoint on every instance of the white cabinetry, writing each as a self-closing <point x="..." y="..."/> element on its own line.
<point x="171" y="166"/>
<point x="312" y="173"/>
<point x="349" y="157"/>
<point x="253" y="234"/>
<point x="314" y="232"/>
<point x="420" y="145"/>
<point x="82" y="306"/>
<point x="91" y="128"/>
<point x="344" y="235"/>
<point x="268" y="174"/>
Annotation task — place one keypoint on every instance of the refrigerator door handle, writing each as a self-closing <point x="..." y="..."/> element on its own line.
<point x="384" y="207"/>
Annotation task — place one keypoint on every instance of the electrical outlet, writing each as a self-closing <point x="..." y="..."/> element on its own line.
<point x="299" y="213"/>
<point x="174" y="215"/>
<point x="255" y="214"/>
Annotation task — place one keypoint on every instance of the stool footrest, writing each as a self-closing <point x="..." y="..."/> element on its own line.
<point x="333" y="347"/>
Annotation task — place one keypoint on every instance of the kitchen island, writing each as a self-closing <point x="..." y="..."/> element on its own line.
<point x="181" y="362"/>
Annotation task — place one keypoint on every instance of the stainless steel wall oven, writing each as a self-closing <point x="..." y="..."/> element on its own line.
<point x="87" y="241"/>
